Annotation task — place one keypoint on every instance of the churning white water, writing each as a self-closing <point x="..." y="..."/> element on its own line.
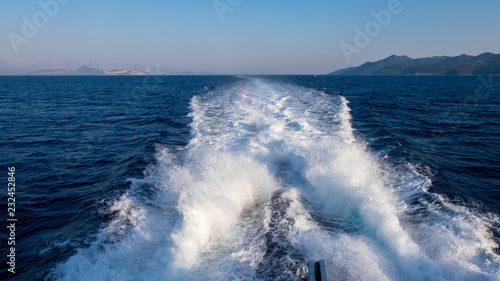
<point x="273" y="176"/>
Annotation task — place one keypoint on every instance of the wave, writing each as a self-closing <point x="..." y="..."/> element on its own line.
<point x="273" y="176"/>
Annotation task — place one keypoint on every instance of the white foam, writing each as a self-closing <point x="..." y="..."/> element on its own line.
<point x="277" y="165"/>
<point x="221" y="186"/>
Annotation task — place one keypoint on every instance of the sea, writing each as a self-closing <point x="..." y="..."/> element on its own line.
<point x="250" y="177"/>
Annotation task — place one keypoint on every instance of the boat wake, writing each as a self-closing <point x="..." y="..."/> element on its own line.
<point x="272" y="177"/>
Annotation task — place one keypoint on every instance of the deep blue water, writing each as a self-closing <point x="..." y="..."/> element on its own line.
<point x="227" y="178"/>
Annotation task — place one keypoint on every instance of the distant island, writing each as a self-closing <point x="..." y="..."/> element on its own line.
<point x="483" y="64"/>
<point x="85" y="70"/>
<point x="60" y="67"/>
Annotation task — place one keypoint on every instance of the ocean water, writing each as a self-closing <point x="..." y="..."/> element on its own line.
<point x="248" y="178"/>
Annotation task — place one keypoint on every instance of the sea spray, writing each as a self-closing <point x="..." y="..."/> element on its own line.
<point x="272" y="176"/>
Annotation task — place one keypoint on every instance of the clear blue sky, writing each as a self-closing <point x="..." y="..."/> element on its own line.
<point x="270" y="36"/>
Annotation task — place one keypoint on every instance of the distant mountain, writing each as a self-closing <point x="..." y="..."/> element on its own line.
<point x="60" y="67"/>
<point x="127" y="72"/>
<point x="48" y="72"/>
<point x="6" y="68"/>
<point x="486" y="63"/>
<point x="57" y="64"/>
<point x="85" y="70"/>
